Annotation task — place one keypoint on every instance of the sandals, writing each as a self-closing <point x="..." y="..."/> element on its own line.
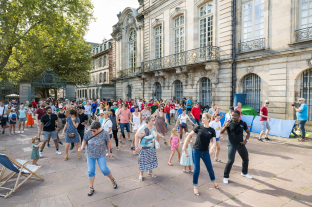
<point x="114" y="183"/>
<point x="78" y="155"/>
<point x="215" y="185"/>
<point x="141" y="178"/>
<point x="166" y="143"/>
<point x="196" y="192"/>
<point x="217" y="160"/>
<point x="170" y="164"/>
<point x="152" y="175"/>
<point x="91" y="191"/>
<point x="65" y="158"/>
<point x="184" y="171"/>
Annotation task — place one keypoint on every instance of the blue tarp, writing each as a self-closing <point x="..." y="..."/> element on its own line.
<point x="223" y="118"/>
<point x="279" y="127"/>
<point x="248" y="119"/>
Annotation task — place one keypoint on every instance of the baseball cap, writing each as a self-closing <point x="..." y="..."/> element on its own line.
<point x="301" y="99"/>
<point x="196" y="103"/>
<point x="101" y="112"/>
<point x="60" y="106"/>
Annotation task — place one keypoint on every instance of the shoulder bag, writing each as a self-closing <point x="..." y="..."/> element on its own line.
<point x="183" y="125"/>
<point x="71" y="135"/>
<point x="94" y="136"/>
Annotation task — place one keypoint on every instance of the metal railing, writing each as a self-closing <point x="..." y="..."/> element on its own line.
<point x="203" y="54"/>
<point x="303" y="34"/>
<point x="257" y="44"/>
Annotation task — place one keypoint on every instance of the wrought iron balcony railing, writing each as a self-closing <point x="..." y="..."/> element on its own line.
<point x="203" y="54"/>
<point x="303" y="34"/>
<point x="257" y="44"/>
<point x="130" y="72"/>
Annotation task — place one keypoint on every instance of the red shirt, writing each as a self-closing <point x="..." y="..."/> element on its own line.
<point x="264" y="112"/>
<point x="150" y="104"/>
<point x="34" y="104"/>
<point x="196" y="112"/>
<point x="167" y="109"/>
<point x="40" y="113"/>
<point x="172" y="106"/>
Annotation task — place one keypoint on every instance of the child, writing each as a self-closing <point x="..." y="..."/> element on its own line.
<point x="22" y="119"/>
<point x="216" y="124"/>
<point x="12" y="118"/>
<point x="187" y="159"/>
<point x="35" y="150"/>
<point x="174" y="143"/>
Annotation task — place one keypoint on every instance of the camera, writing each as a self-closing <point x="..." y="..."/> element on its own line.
<point x="293" y="105"/>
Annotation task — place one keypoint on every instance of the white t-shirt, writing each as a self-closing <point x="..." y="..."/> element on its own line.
<point x="183" y="118"/>
<point x="211" y="111"/>
<point x="5" y="110"/>
<point x="140" y="104"/>
<point x="228" y="117"/>
<point x="217" y="127"/>
<point x="106" y="124"/>
<point x="87" y="109"/>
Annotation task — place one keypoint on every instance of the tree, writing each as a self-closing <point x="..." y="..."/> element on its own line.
<point x="36" y="35"/>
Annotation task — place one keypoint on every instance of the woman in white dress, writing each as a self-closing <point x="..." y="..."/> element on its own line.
<point x="136" y="120"/>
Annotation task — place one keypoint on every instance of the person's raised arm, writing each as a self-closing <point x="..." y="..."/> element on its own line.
<point x="139" y="135"/>
<point x="186" y="142"/>
<point x="225" y="125"/>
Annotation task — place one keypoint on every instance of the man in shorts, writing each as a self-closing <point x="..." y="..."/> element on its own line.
<point x="125" y="115"/>
<point x="4" y="115"/>
<point x="48" y="128"/>
<point x="189" y="106"/>
<point x="264" y="121"/>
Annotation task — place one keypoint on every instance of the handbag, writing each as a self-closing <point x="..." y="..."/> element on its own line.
<point x="63" y="121"/>
<point x="183" y="125"/>
<point x="157" y="145"/>
<point x="71" y="135"/>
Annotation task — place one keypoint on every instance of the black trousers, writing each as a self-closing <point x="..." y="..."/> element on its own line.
<point x="115" y="136"/>
<point x="242" y="151"/>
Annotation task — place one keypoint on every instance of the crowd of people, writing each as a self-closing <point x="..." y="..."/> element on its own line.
<point x="89" y="126"/>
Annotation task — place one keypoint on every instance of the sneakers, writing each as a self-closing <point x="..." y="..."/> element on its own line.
<point x="117" y="149"/>
<point x="181" y="142"/>
<point x="60" y="143"/>
<point x="192" y="171"/>
<point x="19" y="132"/>
<point x="225" y="180"/>
<point x="246" y="175"/>
<point x="129" y="140"/>
<point x="40" y="154"/>
<point x="22" y="132"/>
<point x="260" y="140"/>
<point x="48" y="145"/>
<point x="106" y="155"/>
<point x="267" y="139"/>
<point x="14" y="133"/>
<point x="2" y="132"/>
<point x="120" y="142"/>
<point x="58" y="152"/>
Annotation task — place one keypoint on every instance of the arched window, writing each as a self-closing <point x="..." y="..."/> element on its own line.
<point x="100" y="77"/>
<point x="178" y="26"/>
<point x="205" y="92"/>
<point x="158" y="41"/>
<point x="178" y="90"/>
<point x="306" y="89"/>
<point x="158" y="93"/>
<point x="206" y="24"/>
<point x="129" y="92"/>
<point x="252" y="89"/>
<point x="132" y="49"/>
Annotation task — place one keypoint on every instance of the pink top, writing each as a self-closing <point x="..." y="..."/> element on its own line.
<point x="174" y="141"/>
<point x="124" y="115"/>
<point x="239" y="109"/>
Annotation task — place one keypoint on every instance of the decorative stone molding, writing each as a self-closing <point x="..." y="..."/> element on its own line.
<point x="161" y="73"/>
<point x="185" y="69"/>
<point x="249" y="70"/>
<point x="214" y="74"/>
<point x="130" y="22"/>
<point x="203" y="72"/>
<point x="309" y="62"/>
<point x="156" y="74"/>
<point x="178" y="70"/>
<point x="144" y="76"/>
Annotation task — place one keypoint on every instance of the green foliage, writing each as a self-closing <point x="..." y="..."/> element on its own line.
<point x="36" y="35"/>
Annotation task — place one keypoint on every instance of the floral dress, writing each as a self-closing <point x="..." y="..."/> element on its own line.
<point x="35" y="152"/>
<point x="71" y="129"/>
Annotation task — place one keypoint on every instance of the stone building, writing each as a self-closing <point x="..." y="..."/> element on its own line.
<point x="211" y="50"/>
<point x="101" y="75"/>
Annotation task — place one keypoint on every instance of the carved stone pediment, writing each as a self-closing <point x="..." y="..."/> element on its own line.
<point x="178" y="70"/>
<point x="213" y="67"/>
<point x="185" y="69"/>
<point x="249" y="70"/>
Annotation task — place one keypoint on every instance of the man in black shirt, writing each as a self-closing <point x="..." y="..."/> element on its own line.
<point x="83" y="122"/>
<point x="48" y="128"/>
<point x="235" y="130"/>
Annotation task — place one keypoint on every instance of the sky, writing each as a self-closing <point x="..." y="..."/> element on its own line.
<point x="105" y="12"/>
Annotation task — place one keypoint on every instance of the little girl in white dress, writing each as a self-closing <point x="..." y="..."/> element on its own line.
<point x="186" y="158"/>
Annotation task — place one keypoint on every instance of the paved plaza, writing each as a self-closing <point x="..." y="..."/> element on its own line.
<point x="281" y="170"/>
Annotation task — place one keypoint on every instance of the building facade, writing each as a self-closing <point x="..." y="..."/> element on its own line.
<point x="101" y="85"/>
<point x="211" y="50"/>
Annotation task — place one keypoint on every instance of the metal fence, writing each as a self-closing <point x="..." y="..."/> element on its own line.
<point x="252" y="89"/>
<point x="9" y="91"/>
<point x="252" y="45"/>
<point x="303" y="34"/>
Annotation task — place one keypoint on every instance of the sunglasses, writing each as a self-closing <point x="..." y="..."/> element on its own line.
<point x="268" y="103"/>
<point x="93" y="131"/>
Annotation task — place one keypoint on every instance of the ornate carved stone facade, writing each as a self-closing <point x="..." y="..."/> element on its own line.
<point x="195" y="41"/>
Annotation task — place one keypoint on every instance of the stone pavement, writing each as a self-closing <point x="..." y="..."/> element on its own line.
<point x="281" y="170"/>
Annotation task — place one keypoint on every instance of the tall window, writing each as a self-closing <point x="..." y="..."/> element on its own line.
<point x="178" y="90"/>
<point x="306" y="90"/>
<point x="253" y="20"/>
<point x="158" y="94"/>
<point x="132" y="49"/>
<point x="206" y="24"/>
<point x="90" y="95"/>
<point x="178" y="25"/>
<point x="305" y="14"/>
<point x="205" y="92"/>
<point x="158" y="41"/>
<point x="100" y="61"/>
<point x="129" y="92"/>
<point x="252" y="89"/>
<point x="105" y="77"/>
<point x="100" y="77"/>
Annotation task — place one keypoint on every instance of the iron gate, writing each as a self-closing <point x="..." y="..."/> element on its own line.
<point x="252" y="89"/>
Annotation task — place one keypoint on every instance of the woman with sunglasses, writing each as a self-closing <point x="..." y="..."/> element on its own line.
<point x="161" y="122"/>
<point x="97" y="141"/>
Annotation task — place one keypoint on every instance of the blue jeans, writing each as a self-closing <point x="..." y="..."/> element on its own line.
<point x="102" y="164"/>
<point x="302" y="129"/>
<point x="122" y="127"/>
<point x="242" y="151"/>
<point x="196" y="121"/>
<point x="168" y="117"/>
<point x="196" y="160"/>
